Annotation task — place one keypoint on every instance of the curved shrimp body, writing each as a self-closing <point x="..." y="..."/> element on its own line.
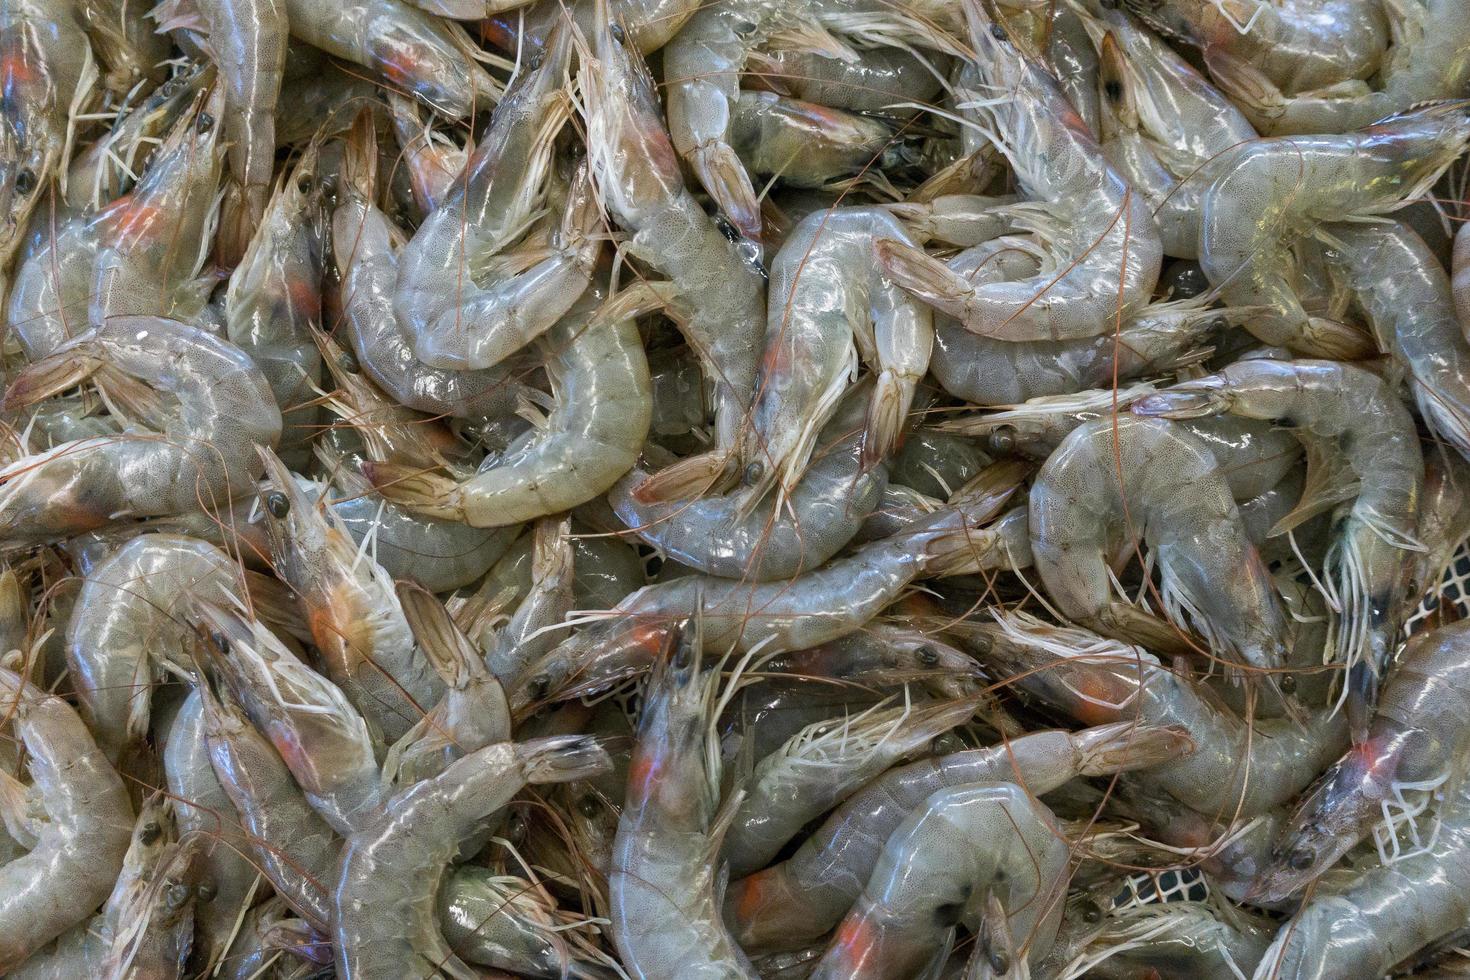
<point x="1416" y="739"/>
<point x="1164" y="127"/>
<point x="1098" y="235"/>
<point x="274" y="296"/>
<point x="155" y="930"/>
<point x="1371" y="555"/>
<point x="548" y="597"/>
<point x="80" y="847"/>
<point x="1275" y="191"/>
<point x="44" y="59"/>
<point x="1113" y="482"/>
<point x="820" y="766"/>
<point x="1403" y="288"/>
<point x="248" y="39"/>
<point x="410" y="49"/>
<point x="1194" y="939"/>
<point x="366" y="244"/>
<point x="385" y="921"/>
<point x="500" y="921"/>
<point x="454" y="320"/>
<point x="355" y="617"/>
<point x="724" y="536"/>
<point x="1299" y="45"/>
<point x="49" y="294"/>
<point x="130" y="617"/>
<point x="802" y="143"/>
<point x="778" y="616"/>
<point x="963" y="844"/>
<point x="880" y="79"/>
<point x="1383" y="916"/>
<point x="1428" y="61"/>
<point x="1236" y="769"/>
<point x="827" y="302"/>
<point x="604" y="408"/>
<point x="718" y="297"/>
<point x="290" y="845"/>
<point x="203" y="809"/>
<point x="1002" y="372"/>
<point x="154" y="240"/>
<point x="221" y="408"/>
<point x="321" y="737"/>
<point x="434" y="162"/>
<point x="661" y="884"/>
<point x="798" y="900"/>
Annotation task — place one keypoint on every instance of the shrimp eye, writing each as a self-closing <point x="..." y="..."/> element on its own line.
<point x="1109" y="4"/>
<point x="277" y="504"/>
<point x="588" y="807"/>
<point x="744" y="27"/>
<point x="177" y="896"/>
<point x="207" y="890"/>
<point x="928" y="656"/>
<point x="1003" y="440"/>
<point x="515" y="829"/>
<point x="619" y="35"/>
<point x="1092" y="913"/>
<point x="303" y="185"/>
<point x="727" y="229"/>
<point x="1301" y="859"/>
<point x="1000" y="962"/>
<point x="25" y="181"/>
<point x="536" y="60"/>
<point x="752" y="473"/>
<point x="539" y="685"/>
<point x="149" y="833"/>
<point x="205" y="123"/>
<point x="1113" y="89"/>
<point x="1287" y="684"/>
<point x="998" y="32"/>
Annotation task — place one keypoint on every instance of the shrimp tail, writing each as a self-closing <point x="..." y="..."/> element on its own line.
<point x="51" y="375"/>
<point x="562" y="759"/>
<point x="423" y="491"/>
<point x="724" y="176"/>
<point x="923" y="275"/>
<point x="1126" y="745"/>
<point x="451" y="654"/>
<point x="713" y="472"/>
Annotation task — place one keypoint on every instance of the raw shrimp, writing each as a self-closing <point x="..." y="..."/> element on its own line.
<point x="457" y="320"/>
<point x="80" y="846"/>
<point x="154" y="241"/>
<point x="248" y="41"/>
<point x="1428" y="61"/>
<point x="126" y="43"/>
<point x="434" y="162"/>
<point x="984" y="371"/>
<point x="827" y="303"/>
<point x="1237" y="769"/>
<point x="131" y="618"/>
<point x="1460" y="267"/>
<point x="1299" y="46"/>
<point x="961" y="846"/>
<point x="874" y="82"/>
<point x="777" y="616"/>
<point x="604" y="405"/>
<point x="1359" y="932"/>
<point x="291" y="846"/>
<point x="1114" y="482"/>
<point x="820" y="766"/>
<point x="274" y="297"/>
<point x="1165" y="128"/>
<point x="724" y="535"/>
<point x="155" y="932"/>
<point x="385" y="921"/>
<point x="1207" y="940"/>
<point x="366" y="245"/>
<point x="200" y="449"/>
<point x="413" y="51"/>
<point x="798" y="900"/>
<point x="651" y="23"/>
<point x="355" y="618"/>
<point x="47" y="68"/>
<point x="662" y="883"/>
<point x="203" y="809"/>
<point x="1277" y="190"/>
<point x="502" y="921"/>
<point x="804" y="144"/>
<point x="548" y="600"/>
<point x="717" y="296"/>
<point x="1417" y="739"/>
<point x="320" y="736"/>
<point x="1406" y="295"/>
<point x="1101" y="247"/>
<point x="1369" y="563"/>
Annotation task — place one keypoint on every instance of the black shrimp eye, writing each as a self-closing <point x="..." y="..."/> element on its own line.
<point x="1302" y="858"/>
<point x="1113" y="89"/>
<point x="205" y="123"/>
<point x="928" y="656"/>
<point x="727" y="229"/>
<point x="536" y="59"/>
<point x="25" y="181"/>
<point x="744" y="27"/>
<point x="619" y="35"/>
<point x="207" y="890"/>
<point x="539" y="685"/>
<point x="1003" y="440"/>
<point x="177" y="896"/>
<point x="515" y="829"/>
<point x="277" y="504"/>
<point x="588" y="807"/>
<point x="1092" y="913"/>
<point x="1000" y="962"/>
<point x="1287" y="684"/>
<point x="303" y="185"/>
<point x="752" y="473"/>
<point x="149" y="833"/>
<point x="998" y="32"/>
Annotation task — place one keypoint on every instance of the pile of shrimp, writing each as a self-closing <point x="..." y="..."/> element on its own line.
<point x="715" y="489"/>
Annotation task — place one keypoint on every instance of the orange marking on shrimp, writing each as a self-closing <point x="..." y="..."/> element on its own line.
<point x="751" y="896"/>
<point x="17" y="69"/>
<point x="304" y="296"/>
<point x="643" y="772"/>
<point x="856" y="939"/>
